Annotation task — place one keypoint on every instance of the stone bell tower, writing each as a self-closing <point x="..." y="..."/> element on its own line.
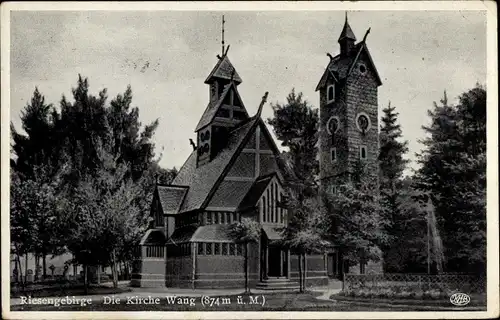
<point x="348" y="113"/>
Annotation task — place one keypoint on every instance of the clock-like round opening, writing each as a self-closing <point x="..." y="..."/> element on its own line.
<point x="333" y="125"/>
<point x="362" y="68"/>
<point x="363" y="122"/>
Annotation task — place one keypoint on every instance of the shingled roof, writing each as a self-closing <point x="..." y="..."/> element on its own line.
<point x="171" y="197"/>
<point x="202" y="179"/>
<point x="224" y="69"/>
<point x="253" y="195"/>
<point x="212" y="108"/>
<point x="340" y="68"/>
<point x="347" y="31"/>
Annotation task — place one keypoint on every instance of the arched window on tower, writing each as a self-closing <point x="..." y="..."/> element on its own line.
<point x="330" y="93"/>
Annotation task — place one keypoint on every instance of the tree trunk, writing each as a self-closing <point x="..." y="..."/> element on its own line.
<point x="247" y="289"/>
<point x="301" y="288"/>
<point x="85" y="279"/>
<point x="37" y="266"/>
<point x="126" y="271"/>
<point x="20" y="269"/>
<point x="44" y="266"/>
<point x="26" y="268"/>
<point x="305" y="271"/>
<point x="113" y="269"/>
<point x="98" y="274"/>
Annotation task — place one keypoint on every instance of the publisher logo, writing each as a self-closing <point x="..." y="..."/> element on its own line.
<point x="460" y="299"/>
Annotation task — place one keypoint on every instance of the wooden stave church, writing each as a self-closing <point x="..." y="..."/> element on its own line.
<point x="188" y="244"/>
<point x="233" y="172"/>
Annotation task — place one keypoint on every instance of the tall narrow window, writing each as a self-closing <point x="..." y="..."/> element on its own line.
<point x="333" y="154"/>
<point x="362" y="152"/>
<point x="275" y="202"/>
<point x="331" y="93"/>
<point x="268" y="206"/>
<point x="272" y="203"/>
<point x="264" y="218"/>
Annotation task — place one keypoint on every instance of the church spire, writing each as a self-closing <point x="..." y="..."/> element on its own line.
<point x="347" y="38"/>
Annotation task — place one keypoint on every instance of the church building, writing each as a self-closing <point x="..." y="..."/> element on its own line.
<point x="234" y="171"/>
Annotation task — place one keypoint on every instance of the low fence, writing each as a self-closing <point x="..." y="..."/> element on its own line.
<point x="413" y="282"/>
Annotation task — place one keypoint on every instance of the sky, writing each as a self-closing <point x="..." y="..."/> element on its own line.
<point x="418" y="54"/>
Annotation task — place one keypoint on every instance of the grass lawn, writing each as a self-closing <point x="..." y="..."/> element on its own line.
<point x="273" y="302"/>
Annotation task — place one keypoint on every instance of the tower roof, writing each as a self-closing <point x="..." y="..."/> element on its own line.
<point x="347" y="31"/>
<point x="224" y="70"/>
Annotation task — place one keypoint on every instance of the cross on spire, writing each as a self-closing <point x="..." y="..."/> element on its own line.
<point x="223" y="21"/>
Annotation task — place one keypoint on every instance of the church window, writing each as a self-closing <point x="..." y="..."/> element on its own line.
<point x="232" y="249"/>
<point x="224" y="249"/>
<point x="200" y="248"/>
<point x="217" y="249"/>
<point x="331" y="93"/>
<point x="209" y="217"/>
<point x="235" y="216"/>
<point x="363" y="122"/>
<point x="223" y="218"/>
<point x="264" y="209"/>
<point x="208" y="248"/>
<point x="363" y="153"/>
<point x="333" y="154"/>
<point x="159" y="218"/>
<point x="239" y="249"/>
<point x="268" y="205"/>
<point x="216" y="218"/>
<point x="275" y="202"/>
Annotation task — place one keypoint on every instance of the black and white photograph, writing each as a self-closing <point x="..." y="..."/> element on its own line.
<point x="279" y="160"/>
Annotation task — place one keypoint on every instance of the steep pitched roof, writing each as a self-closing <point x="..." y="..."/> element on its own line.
<point x="223" y="69"/>
<point x="201" y="180"/>
<point x="211" y="109"/>
<point x="343" y="66"/>
<point x="230" y="193"/>
<point x="171" y="197"/>
<point x="324" y="78"/>
<point x="347" y="31"/>
<point x="363" y="48"/>
<point x="253" y="195"/>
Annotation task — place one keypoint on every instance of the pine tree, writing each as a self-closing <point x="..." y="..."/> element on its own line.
<point x="353" y="220"/>
<point x="296" y="126"/>
<point x="36" y="170"/>
<point x="453" y="174"/>
<point x="392" y="164"/>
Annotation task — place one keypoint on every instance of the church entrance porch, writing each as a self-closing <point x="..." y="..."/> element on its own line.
<point x="274" y="261"/>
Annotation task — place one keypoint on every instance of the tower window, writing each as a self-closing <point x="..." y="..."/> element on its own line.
<point x="363" y="122"/>
<point x="332" y="126"/>
<point x="333" y="154"/>
<point x="331" y="93"/>
<point x="363" y="153"/>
